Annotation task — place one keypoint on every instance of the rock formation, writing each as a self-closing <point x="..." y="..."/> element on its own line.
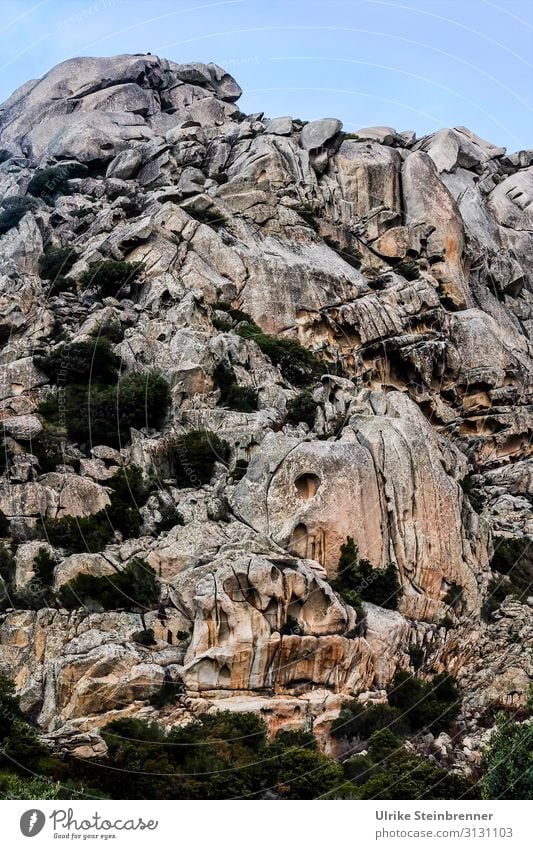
<point x="402" y="263"/>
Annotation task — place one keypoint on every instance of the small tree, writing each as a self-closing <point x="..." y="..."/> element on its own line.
<point x="359" y="577"/>
<point x="302" y="408"/>
<point x="508" y="761"/>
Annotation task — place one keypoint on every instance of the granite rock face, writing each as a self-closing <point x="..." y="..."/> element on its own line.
<point x="402" y="264"/>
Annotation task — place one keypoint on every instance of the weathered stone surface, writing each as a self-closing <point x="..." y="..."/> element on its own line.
<point x="317" y="133"/>
<point x="403" y="265"/>
<point x="279" y="126"/>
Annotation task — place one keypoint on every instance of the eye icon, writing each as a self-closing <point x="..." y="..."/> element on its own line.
<point x="32" y="822"/>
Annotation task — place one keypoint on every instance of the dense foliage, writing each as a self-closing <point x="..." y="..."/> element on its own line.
<point x="389" y="771"/>
<point x="12" y="211"/>
<point x="103" y="412"/>
<point x="134" y="588"/>
<point x="110" y="278"/>
<point x="357" y="580"/>
<point x="297" y="365"/>
<point x="192" y="456"/>
<point x="302" y="408"/>
<point x="508" y="761"/>
<point x="232" y="395"/>
<point x="54" y="264"/>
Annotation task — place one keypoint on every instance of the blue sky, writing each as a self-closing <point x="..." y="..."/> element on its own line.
<point x="410" y="64"/>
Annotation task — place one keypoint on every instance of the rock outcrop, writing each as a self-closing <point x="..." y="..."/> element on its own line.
<point x="402" y="264"/>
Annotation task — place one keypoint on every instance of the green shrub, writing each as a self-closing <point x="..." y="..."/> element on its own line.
<point x="111" y="278"/>
<point x="297" y="365"/>
<point x="104" y="414"/>
<point x="221" y="325"/>
<point x="49" y="449"/>
<point x="508" y="761"/>
<point x="134" y="588"/>
<point x="232" y="395"/>
<point x="57" y="262"/>
<point x="302" y="408"/>
<point x="354" y="575"/>
<point x="80" y="362"/>
<point x="513" y="556"/>
<point x="77" y="534"/>
<point x="170" y="517"/>
<point x="50" y="183"/>
<point x="144" y="638"/>
<point x="431" y="705"/>
<point x="129" y="486"/>
<point x="404" y="775"/>
<point x="168" y="693"/>
<point x="13" y="211"/>
<point x="130" y="492"/>
<point x="356" y="720"/>
<point x="44" y="567"/>
<point x="192" y="456"/>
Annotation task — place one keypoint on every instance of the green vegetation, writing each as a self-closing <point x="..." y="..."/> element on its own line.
<point x="357" y="580"/>
<point x="168" y="693"/>
<point x="12" y="211"/>
<point x="144" y="638"/>
<point x="220" y="756"/>
<point x="425" y="704"/>
<point x="76" y="534"/>
<point x="93" y="533"/>
<point x="50" y="183"/>
<point x="28" y="770"/>
<point x="514" y="557"/>
<point x="508" y="761"/>
<point x="389" y="771"/>
<point x="80" y="362"/>
<point x="111" y="278"/>
<point x="192" y="456"/>
<point x="297" y="365"/>
<point x="134" y="588"/>
<point x="302" y="408"/>
<point x="414" y="705"/>
<point x="356" y="720"/>
<point x="232" y="395"/>
<point x="100" y="413"/>
<point x="54" y="264"/>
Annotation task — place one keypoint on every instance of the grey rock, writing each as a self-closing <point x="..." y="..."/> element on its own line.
<point x="279" y="126"/>
<point x="318" y="133"/>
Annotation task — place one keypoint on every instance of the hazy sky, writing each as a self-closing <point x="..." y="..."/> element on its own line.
<point x="410" y="64"/>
